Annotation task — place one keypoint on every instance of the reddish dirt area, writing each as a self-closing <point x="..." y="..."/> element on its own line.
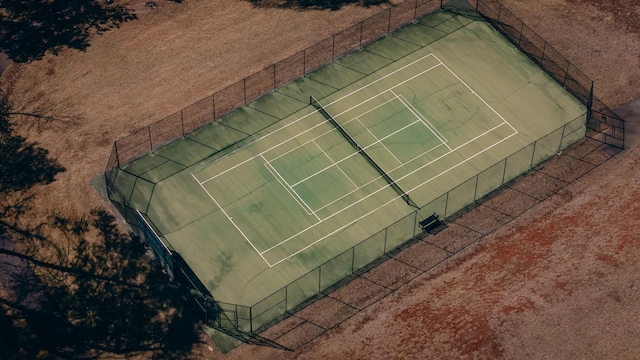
<point x="558" y="282"/>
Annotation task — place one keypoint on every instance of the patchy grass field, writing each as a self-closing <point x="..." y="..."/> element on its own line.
<point x="559" y="282"/>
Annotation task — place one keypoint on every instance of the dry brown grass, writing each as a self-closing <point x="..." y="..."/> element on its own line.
<point x="554" y="284"/>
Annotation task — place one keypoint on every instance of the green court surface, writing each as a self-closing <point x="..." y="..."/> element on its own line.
<point x="432" y="105"/>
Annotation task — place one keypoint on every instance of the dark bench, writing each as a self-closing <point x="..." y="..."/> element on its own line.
<point x="431" y="224"/>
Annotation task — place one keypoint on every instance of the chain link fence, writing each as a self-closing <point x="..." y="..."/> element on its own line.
<point x="378" y="265"/>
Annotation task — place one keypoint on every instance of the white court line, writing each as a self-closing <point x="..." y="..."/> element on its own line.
<point x="381" y="206"/>
<point x="401" y="178"/>
<point x="303" y="117"/>
<point x="230" y="219"/>
<point x="320" y="124"/>
<point x="334" y="163"/>
<point x="417" y="114"/>
<point x="333" y="129"/>
<point x="378" y="141"/>
<point x="474" y="93"/>
<point x="286" y="186"/>
<point x="363" y="149"/>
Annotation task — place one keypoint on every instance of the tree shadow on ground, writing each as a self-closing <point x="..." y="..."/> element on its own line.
<point x="27" y="32"/>
<point x="103" y="297"/>
<point x="314" y="4"/>
<point x="77" y="287"/>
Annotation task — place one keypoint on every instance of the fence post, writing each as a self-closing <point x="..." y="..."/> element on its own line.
<point x="561" y="137"/>
<point x="353" y="259"/>
<point x="475" y="191"/>
<point x="251" y="319"/>
<point x="213" y="104"/>
<point x="521" y="30"/>
<point x="446" y="203"/>
<point x="182" y="121"/>
<point x="533" y="154"/>
<point x="115" y="148"/>
<point x="477" y="2"/>
<point x="415" y="221"/>
<point x="333" y="48"/>
<point x="384" y="249"/>
<point x="504" y="171"/>
<point x="589" y="105"/>
<point x="566" y="74"/>
<point x="150" y="141"/>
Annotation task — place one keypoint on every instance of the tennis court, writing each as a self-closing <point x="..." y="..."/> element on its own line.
<point x="318" y="182"/>
<point x="347" y="152"/>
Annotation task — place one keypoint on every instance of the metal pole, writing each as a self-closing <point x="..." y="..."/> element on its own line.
<point x="446" y="203"/>
<point x="504" y="172"/>
<point x="415" y="221"/>
<point x="561" y="137"/>
<point x="333" y="49"/>
<point x="475" y="192"/>
<point x="353" y="259"/>
<point x="150" y="142"/>
<point x="213" y="103"/>
<point x="115" y="147"/>
<point x="533" y="154"/>
<point x="182" y="122"/>
<point x="521" y="30"/>
<point x="384" y="249"/>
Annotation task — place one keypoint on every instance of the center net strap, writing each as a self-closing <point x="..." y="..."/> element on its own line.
<point x="359" y="149"/>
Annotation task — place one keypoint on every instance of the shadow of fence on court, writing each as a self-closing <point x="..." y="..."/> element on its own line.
<point x="341" y="287"/>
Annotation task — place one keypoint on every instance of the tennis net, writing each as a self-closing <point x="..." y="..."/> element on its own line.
<point x="359" y="149"/>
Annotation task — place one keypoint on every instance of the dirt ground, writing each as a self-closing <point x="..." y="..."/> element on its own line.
<point x="561" y="281"/>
